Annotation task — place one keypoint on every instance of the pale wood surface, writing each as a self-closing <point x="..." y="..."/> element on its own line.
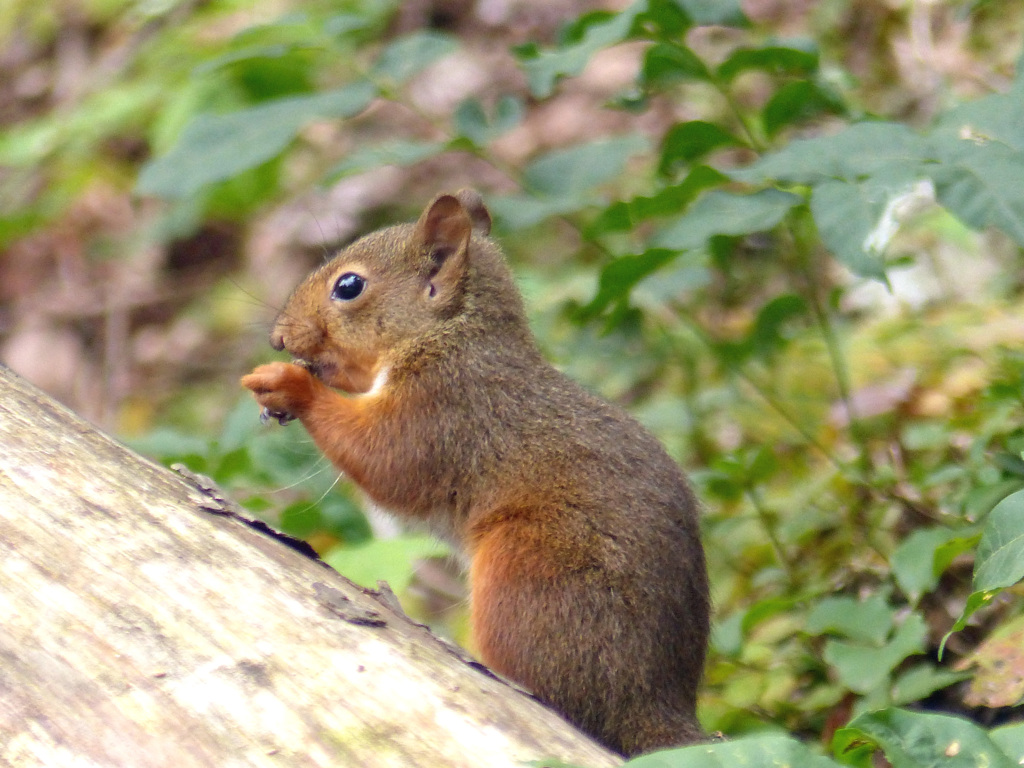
<point x="138" y="629"/>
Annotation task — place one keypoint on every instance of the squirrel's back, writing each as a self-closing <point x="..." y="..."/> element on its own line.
<point x="571" y="504"/>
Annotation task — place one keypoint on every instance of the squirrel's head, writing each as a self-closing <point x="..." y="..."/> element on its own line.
<point x="382" y="293"/>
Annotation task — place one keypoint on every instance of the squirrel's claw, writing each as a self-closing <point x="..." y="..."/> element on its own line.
<point x="282" y="418"/>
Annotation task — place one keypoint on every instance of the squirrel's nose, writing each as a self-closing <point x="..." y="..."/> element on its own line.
<point x="277" y="340"/>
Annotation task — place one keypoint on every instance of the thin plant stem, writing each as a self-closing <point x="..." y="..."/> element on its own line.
<point x="672" y="318"/>
<point x="823" y="318"/>
<point x="748" y="129"/>
<point x="769" y="528"/>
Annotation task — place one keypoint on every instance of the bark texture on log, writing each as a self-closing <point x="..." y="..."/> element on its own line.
<point x="139" y="628"/>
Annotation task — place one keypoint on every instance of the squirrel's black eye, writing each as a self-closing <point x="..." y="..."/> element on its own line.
<point x="348" y="287"/>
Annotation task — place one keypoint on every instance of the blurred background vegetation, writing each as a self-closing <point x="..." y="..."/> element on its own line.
<point x="786" y="235"/>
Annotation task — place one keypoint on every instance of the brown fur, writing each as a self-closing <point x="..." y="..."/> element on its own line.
<point x="587" y="573"/>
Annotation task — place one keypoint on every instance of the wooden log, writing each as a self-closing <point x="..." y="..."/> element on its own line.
<point x="144" y="622"/>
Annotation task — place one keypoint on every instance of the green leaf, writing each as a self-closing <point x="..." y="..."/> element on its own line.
<point x="289" y="457"/>
<point x="724" y="213"/>
<point x="665" y="290"/>
<point x="521" y="211"/>
<point x="796" y="103"/>
<point x="869" y="620"/>
<point x="344" y="518"/>
<point x="856" y="223"/>
<point x="410" y="55"/>
<point x="727" y="635"/>
<point x="975" y="601"/>
<point x="240" y="425"/>
<point x="623" y="216"/>
<point x="776" y="60"/>
<point x="619" y="277"/>
<point x="560" y="182"/>
<point x="240" y="194"/>
<point x="999" y="561"/>
<point x="663" y="20"/>
<point x="1010" y="739"/>
<point x="169" y="445"/>
<point x="921" y="681"/>
<point x="570" y="172"/>
<point x="472" y="122"/>
<point x="271" y="60"/>
<point x="923" y="556"/>
<point x="773" y="606"/>
<point x="981" y="184"/>
<point x="726" y="13"/>
<point x="982" y="499"/>
<point x="863" y="149"/>
<point x="864" y="668"/>
<point x="574" y="30"/>
<point x="390" y="560"/>
<point x="668" y="63"/>
<point x="918" y="740"/>
<point x="248" y="54"/>
<point x="342" y="25"/>
<point x="17" y="224"/>
<point x="399" y="153"/>
<point x="721" y="485"/>
<point x="217" y="147"/>
<point x="110" y="111"/>
<point x="686" y="142"/>
<point x="232" y="464"/>
<point x="301" y="519"/>
<point x="26" y="144"/>
<point x="994" y="119"/>
<point x="764" y="751"/>
<point x="544" y="68"/>
<point x="761" y="465"/>
<point x="768" y="337"/>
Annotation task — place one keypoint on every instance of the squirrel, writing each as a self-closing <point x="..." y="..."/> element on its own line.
<point x="588" y="582"/>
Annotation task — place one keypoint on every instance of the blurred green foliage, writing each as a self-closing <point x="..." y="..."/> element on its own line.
<point x="712" y="290"/>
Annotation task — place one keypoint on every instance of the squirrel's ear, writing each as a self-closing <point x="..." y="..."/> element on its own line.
<point x="444" y="230"/>
<point x="474" y="205"/>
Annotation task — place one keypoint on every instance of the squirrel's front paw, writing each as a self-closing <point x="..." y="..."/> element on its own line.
<point x="285" y="391"/>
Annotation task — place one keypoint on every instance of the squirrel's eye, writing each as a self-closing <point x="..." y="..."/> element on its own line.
<point x="348" y="287"/>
